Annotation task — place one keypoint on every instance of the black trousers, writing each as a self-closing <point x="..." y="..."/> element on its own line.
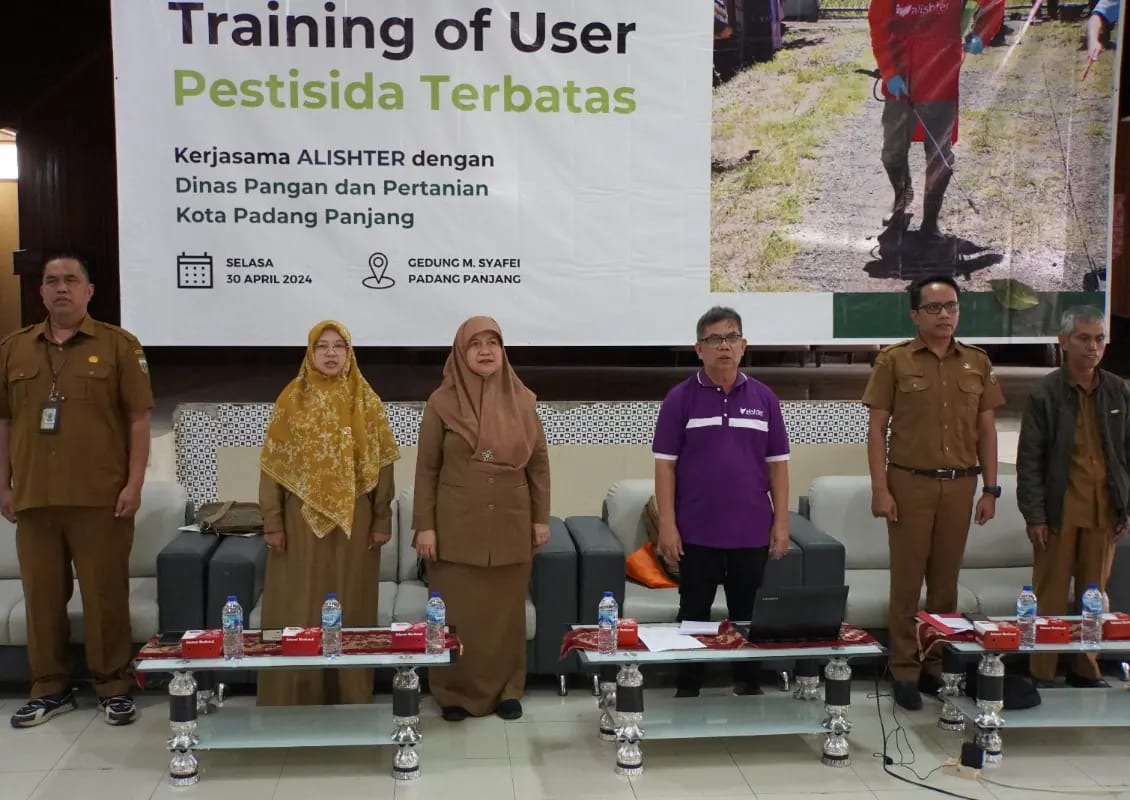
<point x="701" y="570"/>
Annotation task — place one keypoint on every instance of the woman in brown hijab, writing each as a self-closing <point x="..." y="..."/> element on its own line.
<point x="325" y="486"/>
<point x="481" y="510"/>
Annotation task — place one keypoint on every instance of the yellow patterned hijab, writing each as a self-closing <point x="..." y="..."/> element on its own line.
<point x="328" y="439"/>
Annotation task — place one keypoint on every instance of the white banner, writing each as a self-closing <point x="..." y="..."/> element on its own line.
<point x="400" y="166"/>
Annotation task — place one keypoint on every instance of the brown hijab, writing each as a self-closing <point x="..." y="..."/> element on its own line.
<point x="496" y="415"/>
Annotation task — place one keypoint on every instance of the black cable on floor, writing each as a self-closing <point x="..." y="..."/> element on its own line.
<point x="1080" y="792"/>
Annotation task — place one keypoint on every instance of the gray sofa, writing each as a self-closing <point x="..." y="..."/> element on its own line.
<point x="604" y="542"/>
<point x="239" y="567"/>
<point x="998" y="555"/>
<point x="167" y="571"/>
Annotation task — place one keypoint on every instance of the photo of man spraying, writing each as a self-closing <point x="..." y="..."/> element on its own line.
<point x="919" y="46"/>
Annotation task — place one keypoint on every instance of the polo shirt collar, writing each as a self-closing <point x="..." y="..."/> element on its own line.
<point x="1074" y="384"/>
<point x="705" y="382"/>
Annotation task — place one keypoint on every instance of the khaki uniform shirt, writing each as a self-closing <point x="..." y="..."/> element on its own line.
<point x="1086" y="504"/>
<point x="934" y="402"/>
<point x="102" y="375"/>
<point x="482" y="515"/>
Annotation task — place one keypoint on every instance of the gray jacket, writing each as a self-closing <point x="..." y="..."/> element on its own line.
<point x="1047" y="438"/>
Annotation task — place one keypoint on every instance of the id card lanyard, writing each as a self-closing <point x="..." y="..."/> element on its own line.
<point x="51" y="411"/>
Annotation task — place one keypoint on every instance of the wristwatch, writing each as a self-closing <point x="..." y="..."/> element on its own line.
<point x="995" y="491"/>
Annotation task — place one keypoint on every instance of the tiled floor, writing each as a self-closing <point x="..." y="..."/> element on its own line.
<point x="552" y="752"/>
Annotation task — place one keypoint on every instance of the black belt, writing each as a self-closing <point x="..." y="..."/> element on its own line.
<point x="942" y="474"/>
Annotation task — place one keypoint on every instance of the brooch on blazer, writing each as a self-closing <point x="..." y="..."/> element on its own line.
<point x="487" y="455"/>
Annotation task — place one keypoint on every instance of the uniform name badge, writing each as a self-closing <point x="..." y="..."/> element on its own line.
<point x="49" y="414"/>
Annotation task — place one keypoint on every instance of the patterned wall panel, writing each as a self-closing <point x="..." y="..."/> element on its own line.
<point x="199" y="429"/>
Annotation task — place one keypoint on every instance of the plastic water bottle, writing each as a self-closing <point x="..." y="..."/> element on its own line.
<point x="1091" y="631"/>
<point x="435" y="636"/>
<point x="331" y="626"/>
<point x="607" y="624"/>
<point x="231" y="620"/>
<point x="1026" y="617"/>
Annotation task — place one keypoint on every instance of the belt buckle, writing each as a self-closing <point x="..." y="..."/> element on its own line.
<point x="947" y="474"/>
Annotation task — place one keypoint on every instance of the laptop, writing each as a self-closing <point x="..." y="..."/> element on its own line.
<point x="798" y="614"/>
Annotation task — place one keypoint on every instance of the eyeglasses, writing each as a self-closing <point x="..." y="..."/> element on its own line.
<point x="934" y="309"/>
<point x="732" y="339"/>
<point x="322" y="348"/>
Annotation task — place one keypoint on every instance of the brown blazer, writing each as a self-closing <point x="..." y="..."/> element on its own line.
<point x="482" y="515"/>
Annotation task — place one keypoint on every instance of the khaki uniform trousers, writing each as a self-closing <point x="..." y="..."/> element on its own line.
<point x="927" y="542"/>
<point x="48" y="541"/>
<point x="1085" y="554"/>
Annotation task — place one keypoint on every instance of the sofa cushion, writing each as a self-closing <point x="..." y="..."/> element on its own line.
<point x="412" y="597"/>
<point x="162" y="512"/>
<point x="142" y="614"/>
<point x="646" y="605"/>
<point x="996" y="589"/>
<point x="840" y="505"/>
<point x="11" y="595"/>
<point x="9" y="561"/>
<point x="1003" y="540"/>
<point x="386" y="601"/>
<point x="406" y="555"/>
<point x="869" y="597"/>
<point x="623" y="511"/>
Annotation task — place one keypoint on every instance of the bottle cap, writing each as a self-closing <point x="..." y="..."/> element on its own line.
<point x="231" y="598"/>
<point x="1094" y="586"/>
<point x="433" y="593"/>
<point x="331" y="595"/>
<point x="608" y="594"/>
<point x="1026" y="588"/>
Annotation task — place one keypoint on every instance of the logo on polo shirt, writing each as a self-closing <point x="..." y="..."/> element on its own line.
<point x="752" y="412"/>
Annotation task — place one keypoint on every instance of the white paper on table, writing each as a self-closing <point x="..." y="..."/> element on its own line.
<point x="693" y="628"/>
<point x="194" y="528"/>
<point x="955" y="624"/>
<point x="659" y="639"/>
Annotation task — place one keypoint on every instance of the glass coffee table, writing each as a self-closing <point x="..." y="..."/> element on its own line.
<point x="1060" y="707"/>
<point x="199" y="721"/>
<point x="621" y="702"/>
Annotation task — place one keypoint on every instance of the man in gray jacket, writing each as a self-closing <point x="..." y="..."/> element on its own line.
<point x="1073" y="484"/>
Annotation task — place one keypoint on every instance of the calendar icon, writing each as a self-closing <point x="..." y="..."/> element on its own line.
<point x="194" y="271"/>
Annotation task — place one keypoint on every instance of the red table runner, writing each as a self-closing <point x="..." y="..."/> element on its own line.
<point x="352" y="643"/>
<point x="931" y="636"/>
<point x="728" y="638"/>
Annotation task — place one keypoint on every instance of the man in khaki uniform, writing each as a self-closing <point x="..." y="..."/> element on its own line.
<point x="1073" y="487"/>
<point x="74" y="442"/>
<point x="938" y="398"/>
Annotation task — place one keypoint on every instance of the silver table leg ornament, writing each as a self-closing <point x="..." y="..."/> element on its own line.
<point x="607" y="705"/>
<point x="990" y="703"/>
<point x="629" y="718"/>
<point x="184" y="769"/>
<point x="953" y="680"/>
<point x="808" y="680"/>
<point x="406" y="717"/>
<point x="837" y="701"/>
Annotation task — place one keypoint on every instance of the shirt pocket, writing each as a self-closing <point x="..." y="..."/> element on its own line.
<point x="910" y="384"/>
<point x="972" y="386"/>
<point x="95" y="383"/>
<point x="20" y="378"/>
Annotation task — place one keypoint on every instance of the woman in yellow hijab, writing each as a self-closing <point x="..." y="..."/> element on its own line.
<point x="325" y="487"/>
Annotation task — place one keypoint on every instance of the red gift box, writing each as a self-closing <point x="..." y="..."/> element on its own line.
<point x="302" y="641"/>
<point x="997" y="635"/>
<point x="409" y="636"/>
<point x="202" y="644"/>
<point x="628" y="633"/>
<point x="1053" y="631"/>
<point x="1116" y="626"/>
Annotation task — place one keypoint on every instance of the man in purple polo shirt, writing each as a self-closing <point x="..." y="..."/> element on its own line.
<point x="721" y="484"/>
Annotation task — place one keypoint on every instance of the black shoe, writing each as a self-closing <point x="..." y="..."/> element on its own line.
<point x="906" y="695"/>
<point x="37" y="711"/>
<point x="509" y="709"/>
<point x="1044" y="683"/>
<point x="119" y="709"/>
<point x="454" y="713"/>
<point x="686" y="691"/>
<point x="747" y="688"/>
<point x="929" y="684"/>
<point x="1078" y="681"/>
